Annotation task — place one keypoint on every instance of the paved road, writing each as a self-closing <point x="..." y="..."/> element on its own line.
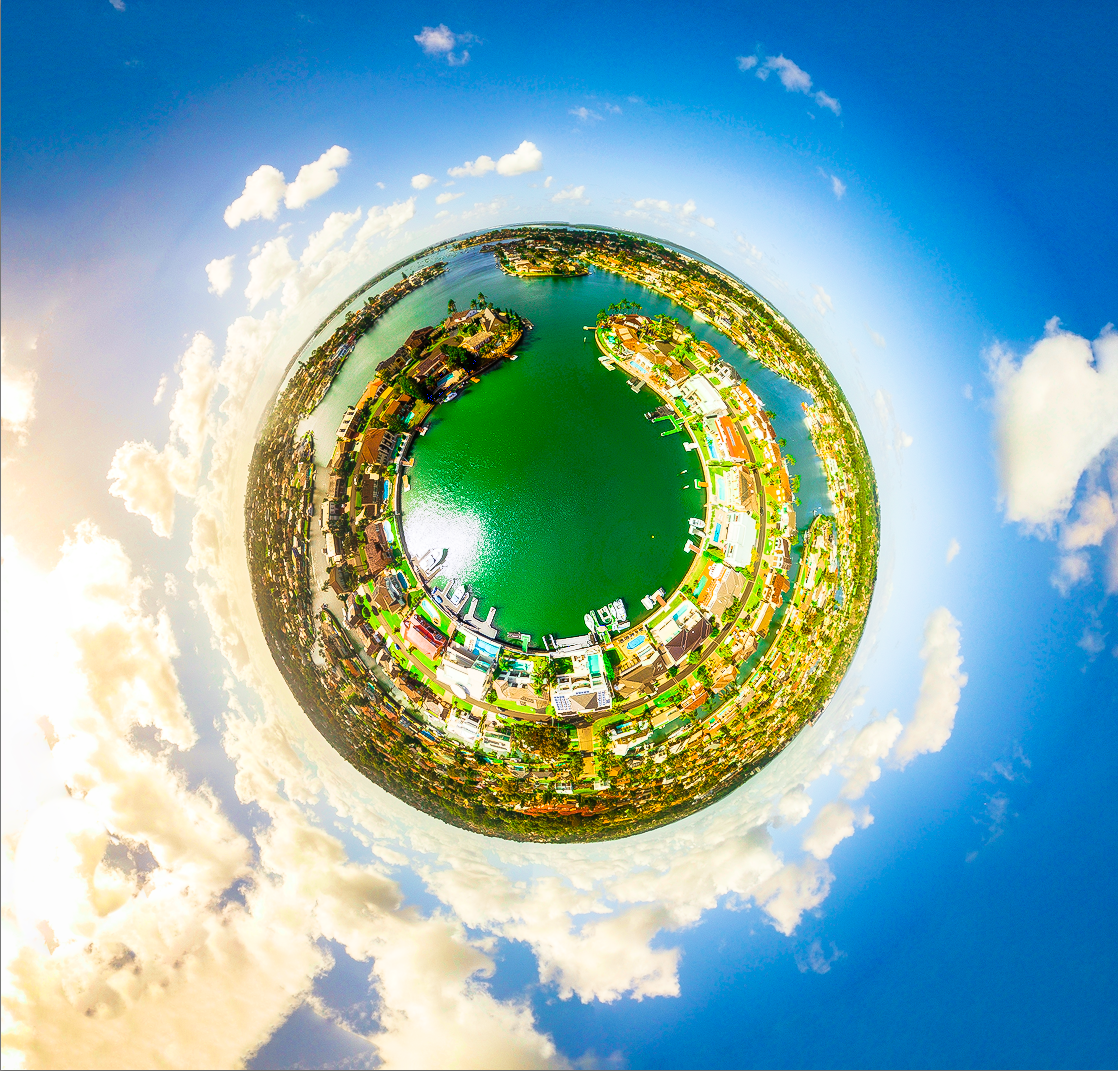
<point x="673" y="681"/>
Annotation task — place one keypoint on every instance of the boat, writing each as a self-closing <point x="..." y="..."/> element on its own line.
<point x="589" y="619"/>
<point x="452" y="395"/>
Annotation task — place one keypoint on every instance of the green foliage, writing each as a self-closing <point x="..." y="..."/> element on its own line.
<point x="547" y="742"/>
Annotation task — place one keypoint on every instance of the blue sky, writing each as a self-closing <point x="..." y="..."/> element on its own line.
<point x="920" y="190"/>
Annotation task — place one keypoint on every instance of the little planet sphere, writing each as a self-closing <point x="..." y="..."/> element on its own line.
<point x="442" y="527"/>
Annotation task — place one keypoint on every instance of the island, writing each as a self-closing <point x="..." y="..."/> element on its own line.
<point x="651" y="713"/>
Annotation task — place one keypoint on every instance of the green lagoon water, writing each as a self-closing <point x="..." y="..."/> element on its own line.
<point x="549" y="489"/>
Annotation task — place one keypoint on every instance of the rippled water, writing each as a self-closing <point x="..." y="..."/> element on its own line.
<point x="549" y="489"/>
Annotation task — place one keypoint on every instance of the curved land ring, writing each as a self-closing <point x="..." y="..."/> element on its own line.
<point x="687" y="732"/>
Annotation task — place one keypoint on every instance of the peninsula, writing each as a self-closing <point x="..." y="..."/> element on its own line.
<point x="654" y="711"/>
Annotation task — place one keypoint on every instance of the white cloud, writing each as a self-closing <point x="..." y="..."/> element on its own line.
<point x="148" y="479"/>
<point x="547" y="181"/>
<point x="570" y="193"/>
<point x="684" y="214"/>
<point x="446" y="198"/>
<point x="386" y="220"/>
<point x="838" y="187"/>
<point x="1071" y="571"/>
<point x="828" y="102"/>
<point x="898" y="438"/>
<point x="268" y="270"/>
<point x="441" y="41"/>
<point x="17" y="396"/>
<point x="861" y="765"/>
<point x="322" y="241"/>
<point x="940" y="689"/>
<point x="526" y="157"/>
<point x="421" y="182"/>
<point x="953" y="549"/>
<point x="482" y="165"/>
<point x="877" y="339"/>
<point x="1055" y="412"/>
<point x="822" y="300"/>
<point x="748" y="248"/>
<point x="1096" y="517"/>
<point x="266" y="187"/>
<point x="613" y="109"/>
<point x="263" y="192"/>
<point x="160" y="389"/>
<point x="834" y="823"/>
<point x="689" y="210"/>
<point x="315" y="179"/>
<point x="793" y="77"/>
<point x="220" y="274"/>
<point x="816" y="959"/>
<point x="584" y="114"/>
<point x="483" y="209"/>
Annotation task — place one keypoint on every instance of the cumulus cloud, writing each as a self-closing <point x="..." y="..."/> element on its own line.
<point x="584" y="114"/>
<point x="953" y="549"/>
<point x="684" y="214"/>
<point x="148" y="479"/>
<point x="877" y="339"/>
<point x="570" y="193"/>
<point x="473" y="169"/>
<point x="446" y="198"/>
<point x="268" y="270"/>
<point x="940" y="689"/>
<point x="267" y="187"/>
<point x="386" y="220"/>
<point x="17" y="395"/>
<point x="315" y="179"/>
<point x="822" y="300"/>
<point x="421" y="182"/>
<point x="747" y="63"/>
<point x="834" y="823"/>
<point x="220" y="274"/>
<point x="154" y="914"/>
<point x="1055" y="412"/>
<point x="441" y="41"/>
<point x="526" y="157"/>
<point x="263" y="193"/>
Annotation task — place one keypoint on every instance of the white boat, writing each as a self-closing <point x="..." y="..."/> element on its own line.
<point x="589" y="620"/>
<point x="452" y="395"/>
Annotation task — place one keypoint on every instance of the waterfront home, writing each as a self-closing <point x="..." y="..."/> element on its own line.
<point x="423" y="636"/>
<point x="377" y="447"/>
<point x="741" y="537"/>
<point x="465" y="674"/>
<point x="346" y="425"/>
<point x="463" y="727"/>
<point x="687" y="640"/>
<point x="474" y="343"/>
<point x="727" y="440"/>
<point x="718" y="587"/>
<point x="586" y="687"/>
<point x="431" y="365"/>
<point x="702" y="395"/>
